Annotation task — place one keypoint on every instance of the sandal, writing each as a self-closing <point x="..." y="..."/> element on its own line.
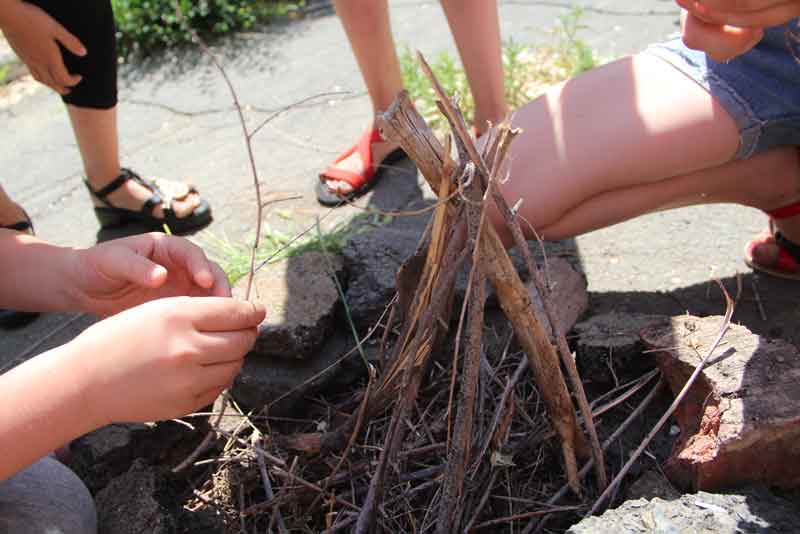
<point x="787" y="264"/>
<point x="164" y="192"/>
<point x="14" y="318"/>
<point x="360" y="182"/>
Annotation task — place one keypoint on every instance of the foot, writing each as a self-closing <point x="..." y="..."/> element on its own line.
<point x="778" y="256"/>
<point x="132" y="196"/>
<point x="354" y="164"/>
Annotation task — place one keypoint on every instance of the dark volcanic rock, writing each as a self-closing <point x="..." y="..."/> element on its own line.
<point x="611" y="344"/>
<point x="372" y="259"/>
<point x="136" y="502"/>
<point x="300" y="297"/>
<point x="752" y="511"/>
<point x="108" y="452"/>
<point x="263" y="381"/>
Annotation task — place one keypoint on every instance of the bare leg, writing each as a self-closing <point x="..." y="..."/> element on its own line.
<point x="10" y="211"/>
<point x="766" y="181"/>
<point x="96" y="134"/>
<point x="369" y="31"/>
<point x="631" y="122"/>
<point x="633" y="137"/>
<point x="476" y="30"/>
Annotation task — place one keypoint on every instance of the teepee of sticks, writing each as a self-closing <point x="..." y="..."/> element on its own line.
<point x="460" y="234"/>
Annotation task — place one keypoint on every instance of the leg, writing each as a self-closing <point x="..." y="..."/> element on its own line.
<point x="91" y="104"/>
<point x="369" y="31"/>
<point x="46" y="497"/>
<point x="476" y="30"/>
<point x="766" y="181"/>
<point x="10" y="211"/>
<point x="636" y="121"/>
<point x="367" y="25"/>
<point x="96" y="134"/>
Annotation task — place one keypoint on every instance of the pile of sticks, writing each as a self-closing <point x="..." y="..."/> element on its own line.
<point x="458" y="235"/>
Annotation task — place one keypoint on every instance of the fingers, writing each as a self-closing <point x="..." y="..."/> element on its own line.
<point x="746" y="13"/>
<point x="125" y="264"/>
<point x="69" y="41"/>
<point x="215" y="314"/>
<point x="42" y="75"/>
<point x="222" y="287"/>
<point x="225" y="347"/>
<point x="721" y="43"/>
<point x="218" y="376"/>
<point x="207" y="398"/>
<point x="201" y="270"/>
<point x="61" y="76"/>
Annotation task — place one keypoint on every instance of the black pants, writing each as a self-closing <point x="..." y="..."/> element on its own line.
<point x="92" y="22"/>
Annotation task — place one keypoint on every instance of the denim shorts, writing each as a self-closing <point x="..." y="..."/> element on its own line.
<point x="759" y="89"/>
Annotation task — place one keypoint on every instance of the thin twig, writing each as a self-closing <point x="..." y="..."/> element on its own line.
<point x="262" y="467"/>
<point x="562" y="492"/>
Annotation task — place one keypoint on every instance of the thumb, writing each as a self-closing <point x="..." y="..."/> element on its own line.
<point x="69" y="41"/>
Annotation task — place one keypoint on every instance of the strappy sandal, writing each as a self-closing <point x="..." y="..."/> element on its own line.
<point x="787" y="263"/>
<point x="14" y="318"/>
<point x="164" y="192"/>
<point x="360" y="182"/>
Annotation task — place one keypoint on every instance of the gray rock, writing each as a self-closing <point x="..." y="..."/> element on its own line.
<point x="300" y="297"/>
<point x="135" y="502"/>
<point x="262" y="381"/>
<point x="610" y="344"/>
<point x="751" y="511"/>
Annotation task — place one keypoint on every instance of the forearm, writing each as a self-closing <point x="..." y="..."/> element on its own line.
<point x="44" y="407"/>
<point x="37" y="276"/>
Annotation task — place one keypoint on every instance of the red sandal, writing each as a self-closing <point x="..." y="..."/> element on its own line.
<point x="787" y="264"/>
<point x="360" y="182"/>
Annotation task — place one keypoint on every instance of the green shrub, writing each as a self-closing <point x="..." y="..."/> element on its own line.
<point x="147" y="25"/>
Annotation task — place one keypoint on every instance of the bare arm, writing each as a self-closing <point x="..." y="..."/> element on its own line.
<point x="156" y="361"/>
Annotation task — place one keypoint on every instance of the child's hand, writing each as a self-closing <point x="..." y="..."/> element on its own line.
<point x="34" y="35"/>
<point x="745" y="13"/>
<point x="720" y="41"/>
<point x="123" y="273"/>
<point x="162" y="359"/>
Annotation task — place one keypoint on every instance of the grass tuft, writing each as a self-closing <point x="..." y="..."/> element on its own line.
<point x="528" y="70"/>
<point x="234" y="257"/>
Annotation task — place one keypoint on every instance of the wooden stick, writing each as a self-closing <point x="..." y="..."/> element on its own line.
<point x="403" y="124"/>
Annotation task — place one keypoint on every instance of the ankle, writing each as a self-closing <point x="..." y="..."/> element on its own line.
<point x="779" y="188"/>
<point x="789" y="228"/>
<point x="101" y="178"/>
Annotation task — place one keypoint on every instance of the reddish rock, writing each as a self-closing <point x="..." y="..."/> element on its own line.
<point x="740" y="422"/>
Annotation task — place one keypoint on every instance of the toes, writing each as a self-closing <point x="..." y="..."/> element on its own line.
<point x="765" y="251"/>
<point x="337" y="186"/>
<point x="186" y="206"/>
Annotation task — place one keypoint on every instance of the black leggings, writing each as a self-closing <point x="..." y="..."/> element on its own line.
<point x="92" y="22"/>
